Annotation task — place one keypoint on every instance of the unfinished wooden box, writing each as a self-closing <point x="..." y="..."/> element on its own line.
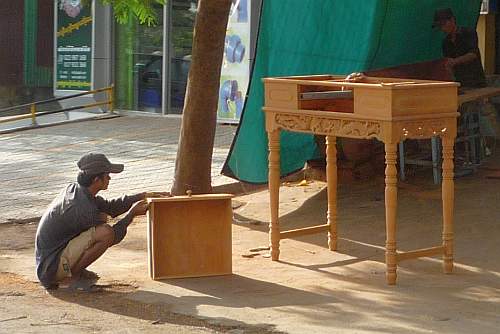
<point x="190" y="236"/>
<point x="370" y="98"/>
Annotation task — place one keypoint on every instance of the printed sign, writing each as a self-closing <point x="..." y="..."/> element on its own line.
<point x="236" y="64"/>
<point x="74" y="45"/>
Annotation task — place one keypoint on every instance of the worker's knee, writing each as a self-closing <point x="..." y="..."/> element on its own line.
<point x="105" y="233"/>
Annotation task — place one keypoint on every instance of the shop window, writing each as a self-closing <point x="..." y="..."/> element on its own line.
<point x="183" y="16"/>
<point x="138" y="60"/>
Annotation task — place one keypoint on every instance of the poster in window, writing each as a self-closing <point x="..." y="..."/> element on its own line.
<point x="235" y="70"/>
<point x="73" y="45"/>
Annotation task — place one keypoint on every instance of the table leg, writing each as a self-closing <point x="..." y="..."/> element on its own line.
<point x="448" y="195"/>
<point x="331" y="178"/>
<point x="274" y="191"/>
<point x="391" y="198"/>
<point x="402" y="173"/>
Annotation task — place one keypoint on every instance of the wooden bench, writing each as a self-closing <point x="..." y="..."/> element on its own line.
<point x="476" y="94"/>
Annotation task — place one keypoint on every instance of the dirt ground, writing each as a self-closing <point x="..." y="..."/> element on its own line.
<point x="29" y="309"/>
<point x="25" y="307"/>
<point x="310" y="290"/>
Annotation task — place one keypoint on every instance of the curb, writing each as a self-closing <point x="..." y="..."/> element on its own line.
<point x="108" y="115"/>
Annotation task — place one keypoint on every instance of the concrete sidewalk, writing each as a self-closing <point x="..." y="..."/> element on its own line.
<point x="36" y="164"/>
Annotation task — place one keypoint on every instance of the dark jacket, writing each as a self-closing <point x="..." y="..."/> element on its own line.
<point x="72" y="212"/>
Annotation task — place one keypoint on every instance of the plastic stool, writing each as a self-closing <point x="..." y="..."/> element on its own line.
<point x="468" y="133"/>
<point x="435" y="162"/>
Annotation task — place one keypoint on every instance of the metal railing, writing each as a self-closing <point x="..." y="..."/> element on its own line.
<point x="33" y="106"/>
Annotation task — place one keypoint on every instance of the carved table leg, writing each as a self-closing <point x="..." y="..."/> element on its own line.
<point x="391" y="198"/>
<point x="274" y="191"/>
<point x="331" y="178"/>
<point x="447" y="189"/>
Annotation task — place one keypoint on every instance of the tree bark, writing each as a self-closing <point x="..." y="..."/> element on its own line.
<point x="194" y="155"/>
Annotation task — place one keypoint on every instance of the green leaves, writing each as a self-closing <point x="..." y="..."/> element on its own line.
<point x="125" y="10"/>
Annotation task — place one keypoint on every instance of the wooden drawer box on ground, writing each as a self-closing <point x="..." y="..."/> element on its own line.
<point x="190" y="236"/>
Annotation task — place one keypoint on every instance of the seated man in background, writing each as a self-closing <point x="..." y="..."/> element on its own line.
<point x="73" y="232"/>
<point x="460" y="48"/>
<point x="463" y="61"/>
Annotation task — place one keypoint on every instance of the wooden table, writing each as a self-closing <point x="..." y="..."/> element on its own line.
<point x="389" y="110"/>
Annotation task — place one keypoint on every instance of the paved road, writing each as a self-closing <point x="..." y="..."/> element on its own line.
<point x="36" y="164"/>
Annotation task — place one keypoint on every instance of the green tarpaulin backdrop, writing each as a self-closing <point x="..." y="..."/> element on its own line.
<point x="300" y="37"/>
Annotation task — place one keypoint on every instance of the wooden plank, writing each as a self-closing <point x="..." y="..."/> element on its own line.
<point x="367" y="82"/>
<point x="150" y="220"/>
<point x="304" y="231"/>
<point x="204" y="197"/>
<point x="334" y="94"/>
<point x="424" y="252"/>
<point x="427" y="70"/>
<point x="332" y="105"/>
<point x="477" y="94"/>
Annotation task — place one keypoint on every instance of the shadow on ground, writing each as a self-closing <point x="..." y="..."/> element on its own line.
<point x="125" y="300"/>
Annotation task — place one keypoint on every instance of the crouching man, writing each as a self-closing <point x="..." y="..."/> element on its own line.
<point x="73" y="232"/>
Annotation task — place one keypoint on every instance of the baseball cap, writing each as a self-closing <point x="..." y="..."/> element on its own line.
<point x="442" y="15"/>
<point x="97" y="163"/>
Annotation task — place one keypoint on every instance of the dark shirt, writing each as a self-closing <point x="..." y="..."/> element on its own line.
<point x="72" y="212"/>
<point x="470" y="74"/>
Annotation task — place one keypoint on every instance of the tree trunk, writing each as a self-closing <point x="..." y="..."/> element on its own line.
<point x="194" y="155"/>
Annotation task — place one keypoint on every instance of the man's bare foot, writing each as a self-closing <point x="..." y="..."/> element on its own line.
<point x="83" y="281"/>
<point x="81" y="285"/>
<point x="90" y="275"/>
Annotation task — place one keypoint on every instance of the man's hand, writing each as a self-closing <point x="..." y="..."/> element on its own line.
<point x="151" y="194"/>
<point x="449" y="64"/>
<point x="355" y="77"/>
<point x="138" y="208"/>
<point x="103" y="217"/>
<point x="465" y="59"/>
